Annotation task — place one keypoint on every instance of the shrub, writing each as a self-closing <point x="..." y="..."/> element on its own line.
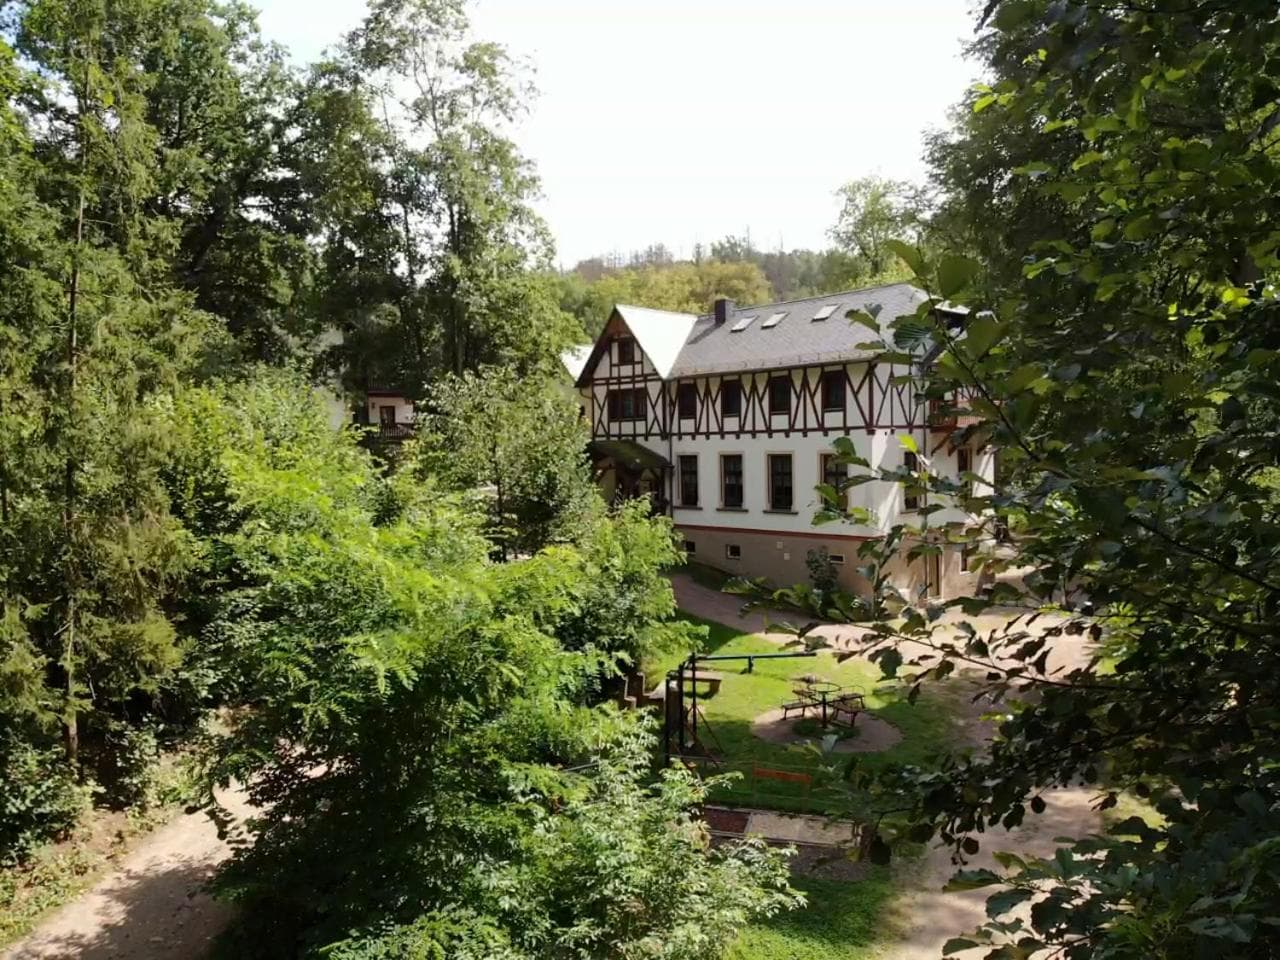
<point x="41" y="799"/>
<point x="822" y="572"/>
<point x="128" y="765"/>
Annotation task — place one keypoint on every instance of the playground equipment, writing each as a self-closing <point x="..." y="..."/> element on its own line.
<point x="682" y="717"/>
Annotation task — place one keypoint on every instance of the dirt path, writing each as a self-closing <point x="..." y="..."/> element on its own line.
<point x="150" y="907"/>
<point x="930" y="917"/>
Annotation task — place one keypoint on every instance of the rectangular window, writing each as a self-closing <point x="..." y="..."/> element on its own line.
<point x="626" y="350"/>
<point x="627" y="404"/>
<point x="910" y="463"/>
<point x="834" y="475"/>
<point x="964" y="464"/>
<point x="689" y="480"/>
<point x="690" y="547"/>
<point x="779" y="395"/>
<point x="387" y="416"/>
<point x="730" y="398"/>
<point x="836" y="558"/>
<point x="731" y="481"/>
<point x="780" y="481"/>
<point x="687" y="401"/>
<point x="833" y="383"/>
<point x="966" y="552"/>
<point x="732" y="551"/>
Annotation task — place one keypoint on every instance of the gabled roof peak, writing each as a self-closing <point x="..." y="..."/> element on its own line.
<point x="685" y="345"/>
<point x="660" y="333"/>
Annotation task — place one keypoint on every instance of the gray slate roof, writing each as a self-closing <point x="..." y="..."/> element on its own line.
<point x="797" y="339"/>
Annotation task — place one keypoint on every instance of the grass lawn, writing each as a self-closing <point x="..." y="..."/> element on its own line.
<point x="927" y="727"/>
<point x="843" y="921"/>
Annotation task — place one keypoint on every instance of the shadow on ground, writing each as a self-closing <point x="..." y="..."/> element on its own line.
<point x="160" y="915"/>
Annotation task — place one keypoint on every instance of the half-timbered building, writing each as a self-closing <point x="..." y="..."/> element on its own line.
<point x="727" y="421"/>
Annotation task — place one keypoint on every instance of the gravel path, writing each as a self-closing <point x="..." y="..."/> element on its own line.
<point x="151" y="907"/>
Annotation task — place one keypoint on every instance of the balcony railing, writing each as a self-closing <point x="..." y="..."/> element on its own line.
<point x="395" y="431"/>
<point x="940" y="418"/>
<point x="944" y="418"/>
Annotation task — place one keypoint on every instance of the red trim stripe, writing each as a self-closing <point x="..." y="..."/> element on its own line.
<point x="773" y="533"/>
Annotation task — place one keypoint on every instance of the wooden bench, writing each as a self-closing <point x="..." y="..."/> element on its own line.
<point x="848" y="706"/>
<point x="800" y="705"/>
<point x="786" y="776"/>
<point x="709" y="677"/>
<point x="760" y="777"/>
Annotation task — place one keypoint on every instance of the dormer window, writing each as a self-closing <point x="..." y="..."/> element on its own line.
<point x="626" y="350"/>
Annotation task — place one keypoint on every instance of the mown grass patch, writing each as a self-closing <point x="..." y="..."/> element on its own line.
<point x="928" y="727"/>
<point x="843" y="921"/>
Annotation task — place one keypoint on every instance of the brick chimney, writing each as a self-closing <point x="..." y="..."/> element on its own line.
<point x="723" y="308"/>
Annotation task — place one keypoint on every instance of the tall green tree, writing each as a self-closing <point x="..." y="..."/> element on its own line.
<point x="473" y="252"/>
<point x="226" y="113"/>
<point x="873" y="212"/>
<point x="517" y="443"/>
<point x="429" y="772"/>
<point x="95" y="331"/>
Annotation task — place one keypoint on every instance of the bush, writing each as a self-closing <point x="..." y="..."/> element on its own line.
<point x="41" y="799"/>
<point x="822" y="572"/>
<point x="128" y="766"/>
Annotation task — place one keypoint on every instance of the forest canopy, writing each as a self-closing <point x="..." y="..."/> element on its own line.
<point x="410" y="664"/>
<point x="411" y="679"/>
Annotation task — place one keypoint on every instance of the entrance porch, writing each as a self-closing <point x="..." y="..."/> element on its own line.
<point x="625" y="470"/>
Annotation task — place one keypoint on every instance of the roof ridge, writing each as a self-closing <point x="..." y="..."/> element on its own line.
<point x="820" y="296"/>
<point x="636" y="306"/>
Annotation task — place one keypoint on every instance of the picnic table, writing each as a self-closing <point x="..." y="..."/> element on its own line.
<point x="830" y="698"/>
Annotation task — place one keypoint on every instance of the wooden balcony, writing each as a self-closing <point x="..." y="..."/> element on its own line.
<point x="944" y="420"/>
<point x="395" y="431"/>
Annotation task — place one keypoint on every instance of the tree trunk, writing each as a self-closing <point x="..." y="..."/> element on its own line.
<point x="499" y="499"/>
<point x="71" y="724"/>
<point x="4" y="489"/>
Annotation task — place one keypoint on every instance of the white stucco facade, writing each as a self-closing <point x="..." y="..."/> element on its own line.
<point x="696" y="428"/>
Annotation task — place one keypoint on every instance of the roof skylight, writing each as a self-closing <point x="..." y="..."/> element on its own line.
<point x="826" y="310"/>
<point x="773" y="320"/>
<point x="742" y="324"/>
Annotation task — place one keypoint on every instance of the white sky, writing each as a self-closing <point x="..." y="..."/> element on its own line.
<point x="679" y="121"/>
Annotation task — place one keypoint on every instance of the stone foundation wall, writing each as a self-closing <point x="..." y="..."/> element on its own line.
<point x="781" y="559"/>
